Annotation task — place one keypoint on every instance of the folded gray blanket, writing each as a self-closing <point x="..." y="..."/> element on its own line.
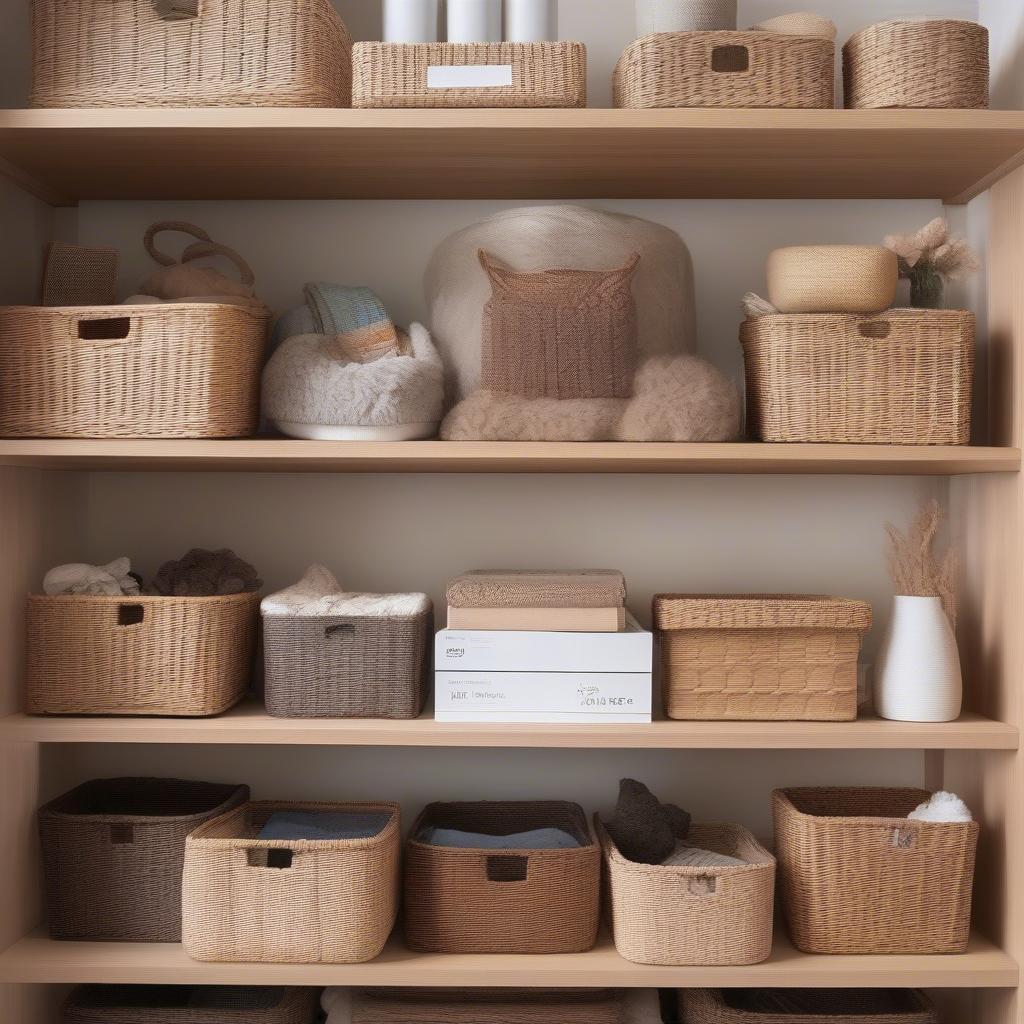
<point x="323" y="825"/>
<point x="536" y="839"/>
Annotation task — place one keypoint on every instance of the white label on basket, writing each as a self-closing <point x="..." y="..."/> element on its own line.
<point x="470" y="76"/>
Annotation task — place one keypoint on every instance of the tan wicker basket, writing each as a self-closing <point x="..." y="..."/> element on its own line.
<point x="904" y="377"/>
<point x="689" y="916"/>
<point x="295" y="901"/>
<point x="122" y="53"/>
<point x="502" y="901"/>
<point x="487" y="1006"/>
<point x="174" y="370"/>
<point x="525" y="74"/>
<point x="760" y="657"/>
<point x="805" y="1006"/>
<point x="726" y="69"/>
<point x="188" y="657"/>
<point x="858" y="877"/>
<point x="937" y="63"/>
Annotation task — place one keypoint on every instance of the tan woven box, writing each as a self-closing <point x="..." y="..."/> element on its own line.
<point x="858" y="877"/>
<point x="806" y="1006"/>
<point x="189" y="657"/>
<point x="760" y="657"/>
<point x="175" y="370"/>
<point x="526" y="74"/>
<point x="726" y="69"/>
<point x="295" y="901"/>
<point x="123" y="53"/>
<point x="487" y="1006"/>
<point x="903" y="377"/>
<point x="692" y="916"/>
<point x="502" y="901"/>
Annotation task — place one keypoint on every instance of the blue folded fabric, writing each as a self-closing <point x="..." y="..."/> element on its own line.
<point x="537" y="839"/>
<point x="323" y="825"/>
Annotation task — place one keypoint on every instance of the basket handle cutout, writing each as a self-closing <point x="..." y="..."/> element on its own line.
<point x="113" y="329"/>
<point x="130" y="614"/>
<point x="705" y="885"/>
<point x="176" y="10"/>
<point x="122" y="834"/>
<point x="876" y="330"/>
<point x="903" y="839"/>
<point x="274" y="857"/>
<point x="507" y="869"/>
<point x="730" y="60"/>
<point x="343" y="630"/>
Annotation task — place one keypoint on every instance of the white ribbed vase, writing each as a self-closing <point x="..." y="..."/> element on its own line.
<point x="917" y="674"/>
<point x="684" y="16"/>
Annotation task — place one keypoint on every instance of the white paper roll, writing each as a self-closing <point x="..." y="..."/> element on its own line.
<point x="410" y="21"/>
<point x="474" y="21"/>
<point x="531" y="21"/>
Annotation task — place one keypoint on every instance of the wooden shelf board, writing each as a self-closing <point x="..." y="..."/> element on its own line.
<point x="250" y="724"/>
<point x="271" y="455"/>
<point x="39" y="960"/>
<point x="70" y="155"/>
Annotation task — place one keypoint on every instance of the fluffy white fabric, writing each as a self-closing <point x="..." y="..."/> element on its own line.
<point x="942" y="807"/>
<point x="319" y="593"/>
<point x="337" y="1004"/>
<point x="557" y="237"/>
<point x="694" y="857"/>
<point x="486" y="416"/>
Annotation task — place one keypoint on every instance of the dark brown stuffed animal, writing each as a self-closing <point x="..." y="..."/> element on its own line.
<point x="644" y="829"/>
<point x="205" y="574"/>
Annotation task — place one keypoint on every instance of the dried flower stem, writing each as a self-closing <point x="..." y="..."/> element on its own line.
<point x="915" y="568"/>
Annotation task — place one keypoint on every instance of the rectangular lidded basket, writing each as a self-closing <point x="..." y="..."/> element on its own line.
<point x="903" y="377"/>
<point x="484" y="1006"/>
<point x="760" y="657"/>
<point x="164" y="370"/>
<point x="122" y="53"/>
<point x="806" y="1006"/>
<point x="856" y="876"/>
<point x="675" y="916"/>
<point x="329" y="901"/>
<point x="726" y="69"/>
<point x="528" y="74"/>
<point x="188" y="657"/>
<point x="112" y="854"/>
<point x="502" y="901"/>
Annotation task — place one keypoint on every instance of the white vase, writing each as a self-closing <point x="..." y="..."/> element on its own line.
<point x="531" y="21"/>
<point x="474" y="21"/>
<point x="917" y="675"/>
<point x="410" y="21"/>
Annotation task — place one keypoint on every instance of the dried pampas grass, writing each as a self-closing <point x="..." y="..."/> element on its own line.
<point x="916" y="570"/>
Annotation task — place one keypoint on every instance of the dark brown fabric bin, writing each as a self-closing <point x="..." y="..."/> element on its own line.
<point x="113" y="851"/>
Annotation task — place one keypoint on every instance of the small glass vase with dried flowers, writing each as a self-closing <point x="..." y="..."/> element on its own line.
<point x="930" y="259"/>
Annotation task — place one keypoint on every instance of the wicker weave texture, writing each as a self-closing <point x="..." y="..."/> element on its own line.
<point x="75" y="275"/>
<point x="760" y="657"/>
<point x="502" y="901"/>
<point x="689" y="916"/>
<point x="806" y="1006"/>
<point x="543" y="74"/>
<point x="858" y="877"/>
<point x="699" y="69"/>
<point x="188" y="657"/>
<point x="937" y="63"/>
<point x="901" y="378"/>
<point x="235" y="53"/>
<point x="346" y="667"/>
<point x="175" y="370"/>
<point x="113" y="851"/>
<point x="832" y="279"/>
<point x="334" y="901"/>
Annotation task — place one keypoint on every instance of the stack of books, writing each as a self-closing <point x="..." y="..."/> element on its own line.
<point x="542" y="647"/>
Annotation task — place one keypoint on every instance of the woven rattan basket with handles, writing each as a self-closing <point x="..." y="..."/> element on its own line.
<point x="934" y="63"/>
<point x="189" y="657"/>
<point x="857" y="876"/>
<point x="189" y="1004"/>
<point x="217" y="53"/>
<point x="688" y="916"/>
<point x="502" y="901"/>
<point x="805" y="1006"/>
<point x="903" y="377"/>
<point x="326" y="901"/>
<point x="726" y="69"/>
<point x="785" y="657"/>
<point x="113" y="851"/>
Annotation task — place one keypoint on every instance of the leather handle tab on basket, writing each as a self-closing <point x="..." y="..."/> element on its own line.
<point x="903" y="838"/>
<point x="176" y="10"/>
<point x="875" y="330"/>
<point x="507" y="869"/>
<point x="730" y="60"/>
<point x="122" y="834"/>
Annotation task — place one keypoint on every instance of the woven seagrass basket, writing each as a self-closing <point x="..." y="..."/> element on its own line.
<point x="428" y="74"/>
<point x="805" y="1006"/>
<point x="174" y="370"/>
<point x="188" y="657"/>
<point x="674" y="916"/>
<point x="903" y="377"/>
<point x="502" y="901"/>
<point x="760" y="657"/>
<point x="113" y="851"/>
<point x="726" y="69"/>
<point x="302" y="901"/>
<point x="937" y="63"/>
<point x="212" y="53"/>
<point x="858" y="877"/>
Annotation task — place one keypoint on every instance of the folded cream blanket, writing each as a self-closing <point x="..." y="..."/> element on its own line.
<point x="590" y="588"/>
<point x="694" y="857"/>
<point x="319" y="593"/>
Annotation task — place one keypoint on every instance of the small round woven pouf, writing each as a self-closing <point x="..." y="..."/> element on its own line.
<point x="832" y="279"/>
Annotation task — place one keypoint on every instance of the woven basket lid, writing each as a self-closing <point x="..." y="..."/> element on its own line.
<point x="760" y="611"/>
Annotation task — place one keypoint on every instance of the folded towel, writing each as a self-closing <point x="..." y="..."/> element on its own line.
<point x="942" y="807"/>
<point x="323" y="825"/>
<point x="591" y="588"/>
<point x="536" y="839"/>
<point x="115" y="579"/>
<point x="693" y="857"/>
<point x="357" y="318"/>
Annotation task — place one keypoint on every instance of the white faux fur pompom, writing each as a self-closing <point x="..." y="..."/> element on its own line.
<point x="942" y="807"/>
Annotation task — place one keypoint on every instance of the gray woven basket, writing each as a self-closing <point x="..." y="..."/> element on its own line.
<point x="189" y="1004"/>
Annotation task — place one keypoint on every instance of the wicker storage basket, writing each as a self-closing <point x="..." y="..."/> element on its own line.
<point x="502" y="901"/>
<point x="113" y="852"/>
<point x="692" y="916"/>
<point x="726" y="69"/>
<point x="805" y="1006"/>
<point x="174" y="370"/>
<point x="289" y="901"/>
<point x="936" y="63"/>
<point x="858" y="877"/>
<point x="901" y="378"/>
<point x="122" y="53"/>
<point x="760" y="657"/>
<point x="187" y="1004"/>
<point x="428" y="75"/>
<point x="188" y="657"/>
